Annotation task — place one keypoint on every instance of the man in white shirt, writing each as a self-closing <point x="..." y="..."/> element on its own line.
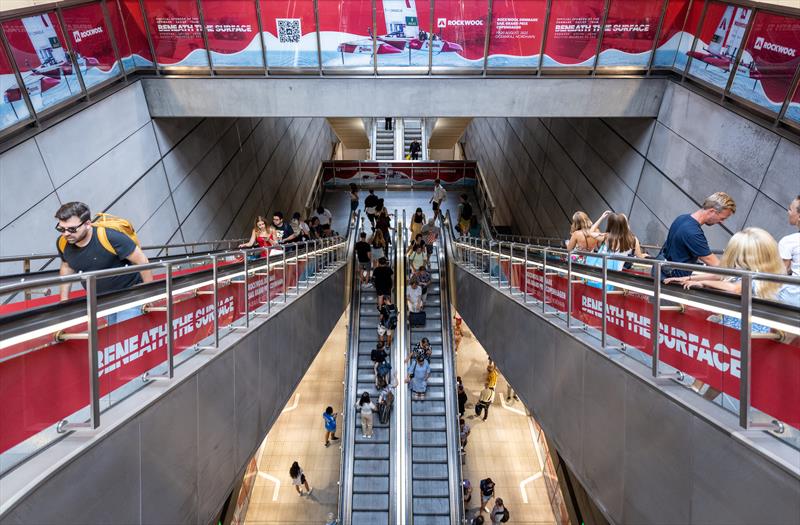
<point x="439" y="193"/>
<point x="414" y="296"/>
<point x="325" y="220"/>
<point x="789" y="246"/>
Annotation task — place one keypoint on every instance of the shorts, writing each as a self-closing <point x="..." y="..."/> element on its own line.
<point x="365" y="266"/>
<point x="381" y="291"/>
<point x="384" y="330"/>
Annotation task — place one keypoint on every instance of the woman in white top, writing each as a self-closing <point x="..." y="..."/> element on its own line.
<point x="367" y="407"/>
<point x="298" y="479"/>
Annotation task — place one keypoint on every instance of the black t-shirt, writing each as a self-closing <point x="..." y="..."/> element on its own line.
<point x="362" y="251"/>
<point x="94" y="256"/>
<point x="371" y="201"/>
<point x="466" y="211"/>
<point x="382" y="278"/>
<point x="284" y="231"/>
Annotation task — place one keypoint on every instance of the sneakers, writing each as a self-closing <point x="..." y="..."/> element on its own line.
<point x="310" y="490"/>
<point x="335" y="438"/>
<point x="327" y="444"/>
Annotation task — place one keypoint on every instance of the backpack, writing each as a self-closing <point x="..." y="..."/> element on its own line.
<point x="505" y="517"/>
<point x="378" y="355"/>
<point x="384" y="369"/>
<point x="391" y="316"/>
<point x="486" y="489"/>
<point x="103" y="222"/>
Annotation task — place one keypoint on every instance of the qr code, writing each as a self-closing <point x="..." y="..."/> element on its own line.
<point x="289" y="30"/>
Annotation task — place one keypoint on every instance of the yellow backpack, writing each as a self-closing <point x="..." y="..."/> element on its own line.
<point x="103" y="222"/>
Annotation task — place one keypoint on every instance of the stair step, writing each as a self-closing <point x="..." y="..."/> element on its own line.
<point x="422" y="519"/>
<point x="370" y="484"/>
<point x="426" y="488"/>
<point x="427" y="408"/>
<point x="371" y="502"/>
<point x="436" y="438"/>
<point x="371" y="451"/>
<point x="370" y="518"/>
<point x="429" y="455"/>
<point x="429" y="471"/>
<point x="371" y="467"/>
<point x="429" y="423"/>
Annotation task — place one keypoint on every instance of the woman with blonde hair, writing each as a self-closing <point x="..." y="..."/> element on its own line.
<point x="580" y="233"/>
<point x="751" y="249"/>
<point x="263" y="234"/>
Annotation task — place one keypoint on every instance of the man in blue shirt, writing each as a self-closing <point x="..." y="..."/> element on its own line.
<point x="686" y="242"/>
<point x="330" y="425"/>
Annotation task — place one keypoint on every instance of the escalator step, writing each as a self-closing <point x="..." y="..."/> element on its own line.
<point x="432" y="520"/>
<point x="371" y="451"/>
<point x="427" y="408"/>
<point x="430" y="488"/>
<point x="429" y="471"/>
<point x="371" y="467"/>
<point x="429" y="438"/>
<point x="370" y="518"/>
<point x="429" y="423"/>
<point x="371" y="502"/>
<point x="370" y="484"/>
<point x="429" y="455"/>
<point x="379" y="435"/>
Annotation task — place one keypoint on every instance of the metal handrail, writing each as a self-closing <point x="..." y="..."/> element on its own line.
<point x="478" y="246"/>
<point x="349" y="395"/>
<point x="403" y="486"/>
<point x="457" y="514"/>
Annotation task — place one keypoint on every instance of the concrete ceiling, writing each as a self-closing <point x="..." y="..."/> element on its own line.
<point x="351" y="132"/>
<point x="447" y="131"/>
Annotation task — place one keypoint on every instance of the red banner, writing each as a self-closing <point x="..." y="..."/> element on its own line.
<point x="629" y="32"/>
<point x="91" y="40"/>
<point x="572" y="32"/>
<point x="39" y="387"/>
<point x="449" y="172"/>
<point x="688" y="341"/>
<point x="176" y="32"/>
<point x="516" y="33"/>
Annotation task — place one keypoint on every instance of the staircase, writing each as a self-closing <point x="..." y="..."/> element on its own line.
<point x="384" y="142"/>
<point x="412" y="130"/>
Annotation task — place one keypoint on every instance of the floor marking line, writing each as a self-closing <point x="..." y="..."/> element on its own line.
<point x="509" y="407"/>
<point x="275" y="480"/>
<point x="525" y="482"/>
<point x="293" y="405"/>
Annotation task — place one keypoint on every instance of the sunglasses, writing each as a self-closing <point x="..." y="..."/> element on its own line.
<point x="69" y="229"/>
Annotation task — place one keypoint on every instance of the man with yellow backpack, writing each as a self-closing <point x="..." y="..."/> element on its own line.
<point x="107" y="242"/>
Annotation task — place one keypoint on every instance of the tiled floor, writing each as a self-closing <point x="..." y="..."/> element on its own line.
<point x="501" y="447"/>
<point x="298" y="436"/>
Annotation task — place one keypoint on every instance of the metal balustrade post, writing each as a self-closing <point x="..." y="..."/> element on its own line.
<point x="283" y="276"/>
<point x="525" y="278"/>
<point x="297" y="269"/>
<point x="654" y="349"/>
<point x="499" y="266"/>
<point x="544" y="281"/>
<point x="306" y="269"/>
<point x="215" y="295"/>
<point x="510" y="266"/>
<point x="569" y="291"/>
<point x="246" y="291"/>
<point x="92" y="347"/>
<point x="604" y="327"/>
<point x="170" y="320"/>
<point x="745" y="386"/>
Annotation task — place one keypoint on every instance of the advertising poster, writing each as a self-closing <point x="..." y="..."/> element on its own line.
<point x="289" y="33"/>
<point x="91" y="41"/>
<point x="459" y="38"/>
<point x="176" y="33"/>
<point x="629" y="33"/>
<point x="718" y="43"/>
<point x="232" y="29"/>
<point x="345" y="32"/>
<point x="516" y="33"/>
<point x="671" y="33"/>
<point x="572" y="33"/>
<point x="129" y="30"/>
<point x="685" y="38"/>
<point x="793" y="111"/>
<point x="769" y="61"/>
<point x="12" y="106"/>
<point x="37" y="46"/>
<point x="404" y="37"/>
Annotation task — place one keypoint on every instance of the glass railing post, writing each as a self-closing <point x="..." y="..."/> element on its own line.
<point x="305" y="255"/>
<point x="297" y="268"/>
<point x="604" y="327"/>
<point x="656" y="317"/>
<point x="269" y="283"/>
<point x="499" y="266"/>
<point x="246" y="290"/>
<point x="745" y="389"/>
<point x="510" y="267"/>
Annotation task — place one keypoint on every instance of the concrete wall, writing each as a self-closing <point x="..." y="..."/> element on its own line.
<point x="646" y="452"/>
<point x="541" y="170"/>
<point x="171" y="453"/>
<point x="177" y="180"/>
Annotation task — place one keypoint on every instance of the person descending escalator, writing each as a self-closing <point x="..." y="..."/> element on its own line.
<point x="415" y="148"/>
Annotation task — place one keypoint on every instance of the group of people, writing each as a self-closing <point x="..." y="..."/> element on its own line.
<point x="752" y="249"/>
<point x="278" y="232"/>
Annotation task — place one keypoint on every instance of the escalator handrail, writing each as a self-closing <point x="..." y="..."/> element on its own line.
<point x="449" y="362"/>
<point x="404" y="456"/>
<point x="351" y="377"/>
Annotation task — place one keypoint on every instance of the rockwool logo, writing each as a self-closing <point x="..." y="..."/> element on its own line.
<point x="761" y="43"/>
<point x="444" y="22"/>
<point x="78" y="35"/>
